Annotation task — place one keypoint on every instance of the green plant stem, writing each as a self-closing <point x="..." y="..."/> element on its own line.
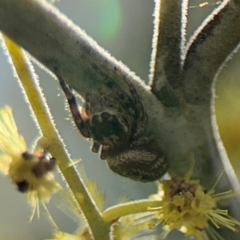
<point x="112" y="214"/>
<point x="27" y="78"/>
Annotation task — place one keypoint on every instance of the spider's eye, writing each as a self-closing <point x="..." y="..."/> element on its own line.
<point x="106" y="116"/>
<point x="108" y="129"/>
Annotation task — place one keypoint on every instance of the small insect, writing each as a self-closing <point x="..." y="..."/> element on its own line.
<point x="116" y="121"/>
<point x="31" y="169"/>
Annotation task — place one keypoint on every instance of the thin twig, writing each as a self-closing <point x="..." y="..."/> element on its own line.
<point x="211" y="45"/>
<point x="168" y="43"/>
<point x="112" y="214"/>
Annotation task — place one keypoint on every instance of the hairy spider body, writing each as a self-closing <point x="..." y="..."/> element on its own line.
<point x="107" y="122"/>
<point x="116" y="122"/>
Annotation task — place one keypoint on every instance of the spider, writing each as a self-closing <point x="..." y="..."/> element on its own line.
<point x="116" y="122"/>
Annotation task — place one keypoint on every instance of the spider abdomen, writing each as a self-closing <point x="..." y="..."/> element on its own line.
<point x="138" y="164"/>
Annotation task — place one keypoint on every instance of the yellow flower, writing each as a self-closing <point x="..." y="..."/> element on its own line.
<point x="64" y="236"/>
<point x="84" y="235"/>
<point x="131" y="226"/>
<point x="185" y="206"/>
<point x="31" y="172"/>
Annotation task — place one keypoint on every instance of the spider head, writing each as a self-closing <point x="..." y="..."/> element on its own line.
<point x="107" y="119"/>
<point x="109" y="128"/>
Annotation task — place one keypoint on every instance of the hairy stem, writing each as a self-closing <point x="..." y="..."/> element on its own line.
<point x="36" y="100"/>
<point x="208" y="49"/>
<point x="168" y="41"/>
<point x="112" y="214"/>
<point x="59" y="45"/>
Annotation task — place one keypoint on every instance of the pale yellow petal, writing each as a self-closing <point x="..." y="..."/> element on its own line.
<point x="5" y="161"/>
<point x="42" y="190"/>
<point x="11" y="142"/>
<point x="64" y="236"/>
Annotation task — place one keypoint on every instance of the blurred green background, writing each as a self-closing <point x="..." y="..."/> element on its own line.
<point x="124" y="28"/>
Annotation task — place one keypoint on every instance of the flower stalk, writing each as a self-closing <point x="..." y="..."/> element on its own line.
<point x="114" y="213"/>
<point x="52" y="141"/>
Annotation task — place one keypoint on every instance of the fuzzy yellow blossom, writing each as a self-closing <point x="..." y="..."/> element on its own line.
<point x="185" y="206"/>
<point x="64" y="236"/>
<point x="131" y="226"/>
<point x="84" y="235"/>
<point x="31" y="172"/>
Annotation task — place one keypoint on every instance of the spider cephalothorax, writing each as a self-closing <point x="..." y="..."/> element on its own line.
<point x="116" y="122"/>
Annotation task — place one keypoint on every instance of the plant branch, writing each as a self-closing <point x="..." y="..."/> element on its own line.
<point x="210" y="46"/>
<point x="168" y="43"/>
<point x="60" y="45"/>
<point x="53" y="142"/>
<point x="203" y="139"/>
<point x="64" y="48"/>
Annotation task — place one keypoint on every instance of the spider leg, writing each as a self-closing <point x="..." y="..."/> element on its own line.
<point x="141" y="114"/>
<point x="125" y="99"/>
<point x="132" y="103"/>
<point x="95" y="147"/>
<point x="116" y="90"/>
<point x="104" y="152"/>
<point x="79" y="121"/>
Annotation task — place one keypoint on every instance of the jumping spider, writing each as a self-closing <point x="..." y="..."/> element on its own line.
<point x="116" y="122"/>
